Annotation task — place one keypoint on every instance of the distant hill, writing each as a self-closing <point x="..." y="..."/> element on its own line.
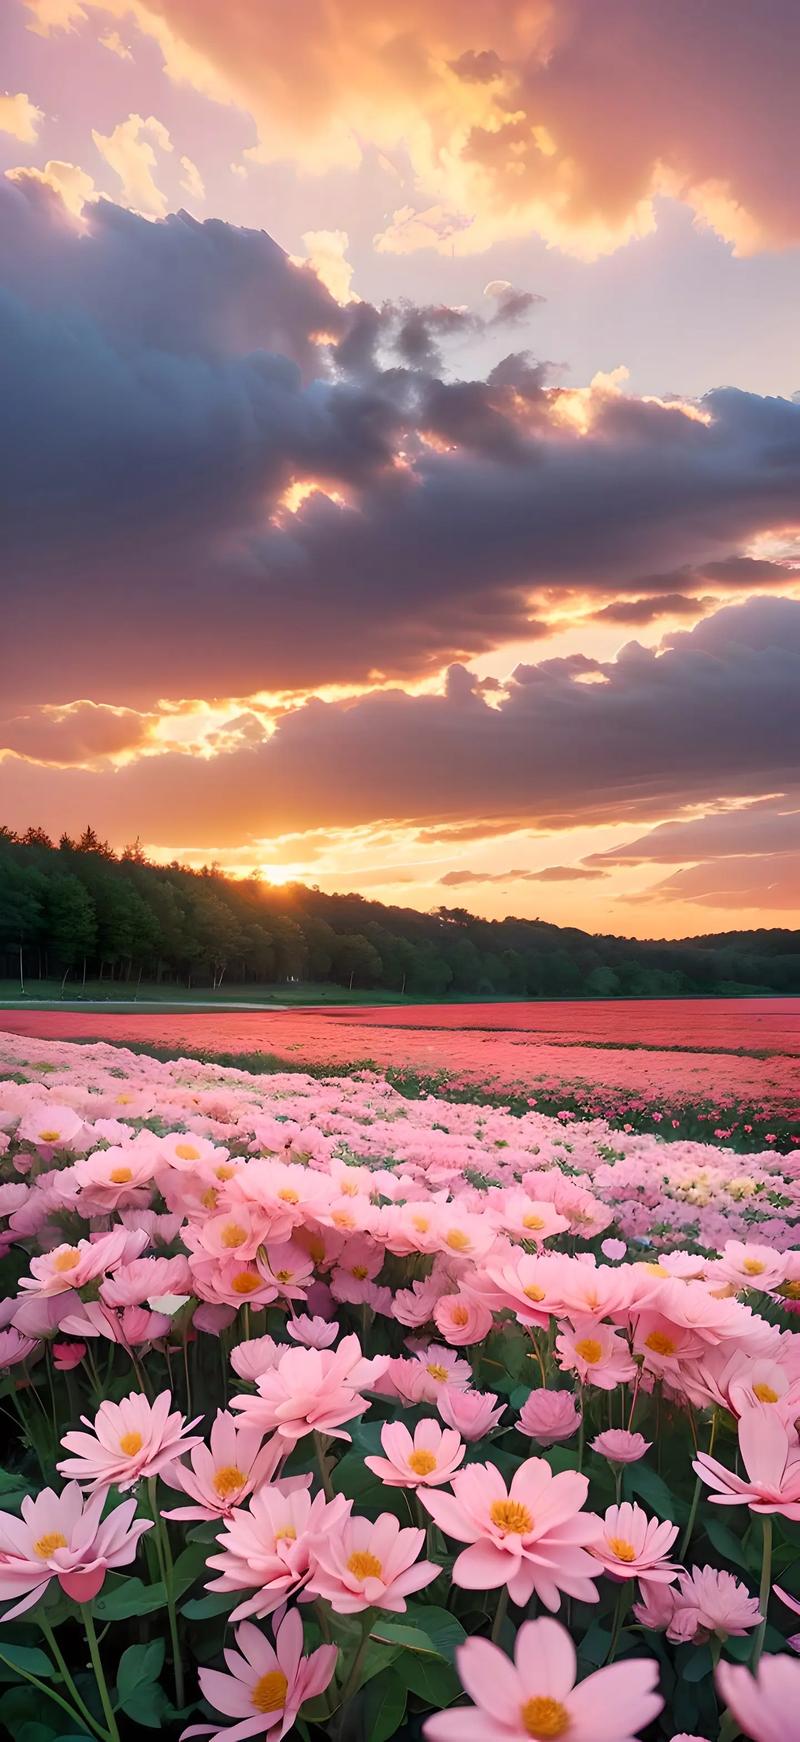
<point x="76" y="908"/>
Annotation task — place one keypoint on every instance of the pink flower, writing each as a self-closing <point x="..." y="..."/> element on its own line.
<point x="267" y="1686"/>
<point x="14" y="1347"/>
<point x="428" y="1460"/>
<point x="223" y="1474"/>
<point x="461" y="1319"/>
<point x="129" y="1440"/>
<point x="766" y="1706"/>
<point x="772" y="1461"/>
<point x="717" y="1602"/>
<point x="613" y="1250"/>
<point x="369" y="1566"/>
<point x="313" y="1333"/>
<point x="73" y="1266"/>
<point x="146" y="1279"/>
<point x="49" y="1126"/>
<point x="471" y="1413"/>
<point x="536" y="1697"/>
<point x="269" y="1544"/>
<point x="68" y="1355"/>
<point x="312" y="1391"/>
<point x="438" y="1368"/>
<point x="254" y="1357"/>
<point x="129" y="1326"/>
<point x="620" y="1447"/>
<point x="61" y="1536"/>
<point x="531" y="1537"/>
<point x="634" y="1546"/>
<point x="598" y="1354"/>
<point x="549" y="1416"/>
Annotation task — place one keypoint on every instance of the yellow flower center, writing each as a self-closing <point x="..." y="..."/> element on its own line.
<point x="349" y="1188"/>
<point x="287" y="1533"/>
<point x="533" y="1291"/>
<point x="124" y="1100"/>
<point x="316" y="1250"/>
<point x="364" y="1565"/>
<point x="228" y="1481"/>
<point x="49" y="1136"/>
<point x="655" y="1269"/>
<point x="535" y="1222"/>
<point x="47" y="1545"/>
<point x="187" y="1152"/>
<point x="269" y="1692"/>
<point x="791" y="1290"/>
<point x="210" y="1199"/>
<point x="288" y="1195"/>
<point x="511" y="1516"/>
<point x="422" y="1463"/>
<point x="765" y="1393"/>
<point x="224" y="1171"/>
<point x="660" y="1343"/>
<point x="460" y="1315"/>
<point x="437" y="1372"/>
<point x="421" y="1223"/>
<point x="120" y="1175"/>
<point x="457" y="1240"/>
<point x="283" y="1275"/>
<point x="245" y="1282"/>
<point x="233" y="1234"/>
<point x="67" y="1259"/>
<point x="360" y="1272"/>
<point x="589" y="1350"/>
<point x="342" y="1219"/>
<point x="130" y="1444"/>
<point x="543" y="1718"/>
<point x="753" y="1267"/>
<point x="623" y="1550"/>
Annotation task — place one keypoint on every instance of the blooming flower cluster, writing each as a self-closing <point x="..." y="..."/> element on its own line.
<point x="416" y="1398"/>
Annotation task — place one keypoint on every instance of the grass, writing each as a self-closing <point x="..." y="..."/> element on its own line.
<point x="127" y="996"/>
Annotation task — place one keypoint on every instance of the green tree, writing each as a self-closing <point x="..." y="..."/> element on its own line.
<point x="21" y="909"/>
<point x="71" y="923"/>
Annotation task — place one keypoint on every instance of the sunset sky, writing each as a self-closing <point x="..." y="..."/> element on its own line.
<point x="400" y="433"/>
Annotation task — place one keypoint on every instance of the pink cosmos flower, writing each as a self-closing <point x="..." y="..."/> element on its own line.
<point x="267" y="1686"/>
<point x="68" y="1355"/>
<point x="634" y="1546"/>
<point x="472" y="1413"/>
<point x="115" y="1178"/>
<point x="549" y="1416"/>
<point x="717" y="1603"/>
<point x="313" y="1333"/>
<point x="620" y="1447"/>
<point x="369" y="1566"/>
<point x="597" y="1353"/>
<point x="766" y="1705"/>
<point x="254" y="1357"/>
<point x="68" y="1266"/>
<point x="771" y="1458"/>
<point x="231" y="1282"/>
<point x="748" y="1265"/>
<point x="223" y="1473"/>
<point x="14" y="1347"/>
<point x="439" y="1367"/>
<point x="531" y="1536"/>
<point x="414" y="1306"/>
<point x="461" y="1319"/>
<point x="128" y="1440"/>
<point x="130" y="1326"/>
<point x="146" y="1279"/>
<point x="312" y="1391"/>
<point x="536" y="1697"/>
<point x="428" y="1460"/>
<point x="269" y="1545"/>
<point x="61" y="1536"/>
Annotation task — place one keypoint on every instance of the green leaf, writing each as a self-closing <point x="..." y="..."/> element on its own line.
<point x="216" y="1603"/>
<point x="148" y="1705"/>
<point x="125" y="1597"/>
<point x="426" y="1629"/>
<point x="190" y="1566"/>
<point x="430" y="1678"/>
<point x="650" y="1487"/>
<point x="595" y="1643"/>
<point x="35" y="1732"/>
<point x="27" y="1658"/>
<point x="384" y="1707"/>
<point x="697" y="1666"/>
<point x="139" y="1665"/>
<point x="723" y="1540"/>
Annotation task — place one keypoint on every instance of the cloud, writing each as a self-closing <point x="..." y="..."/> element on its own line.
<point x="639" y="611"/>
<point x="169" y="389"/>
<point x="762" y="884"/>
<point x="191" y="180"/>
<point x="76" y="734"/>
<point x="770" y="826"/>
<point x="715" y="715"/>
<point x="550" y="874"/>
<point x="72" y="185"/>
<point x="326" y="251"/>
<point x="115" y="45"/>
<point x="513" y="119"/>
<point x="20" y="117"/>
<point x="129" y="151"/>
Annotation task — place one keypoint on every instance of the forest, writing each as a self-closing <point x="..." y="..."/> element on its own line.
<point x="77" y="911"/>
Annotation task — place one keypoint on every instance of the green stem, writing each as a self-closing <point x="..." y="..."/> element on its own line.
<point x="621" y="1610"/>
<point x="167" y="1570"/>
<point x="65" y="1674"/>
<point x="99" y="1676"/>
<point x="324" y="1473"/>
<point x="764" y="1588"/>
<point x="581" y="1429"/>
<point x="50" y="1694"/>
<point x="690" y="1522"/>
<point x="351" y="1684"/>
<point x="499" y="1614"/>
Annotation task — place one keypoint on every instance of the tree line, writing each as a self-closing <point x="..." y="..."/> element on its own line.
<point x="76" y="910"/>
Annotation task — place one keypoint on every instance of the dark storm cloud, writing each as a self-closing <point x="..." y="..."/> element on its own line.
<point x="716" y="714"/>
<point x="160" y="387"/>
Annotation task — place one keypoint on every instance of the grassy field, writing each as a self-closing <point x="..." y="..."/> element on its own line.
<point x="122" y="996"/>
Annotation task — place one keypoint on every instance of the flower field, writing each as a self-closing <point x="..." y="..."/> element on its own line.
<point x="336" y="1413"/>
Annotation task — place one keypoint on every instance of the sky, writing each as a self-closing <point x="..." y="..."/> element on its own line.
<point x="400" y="435"/>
